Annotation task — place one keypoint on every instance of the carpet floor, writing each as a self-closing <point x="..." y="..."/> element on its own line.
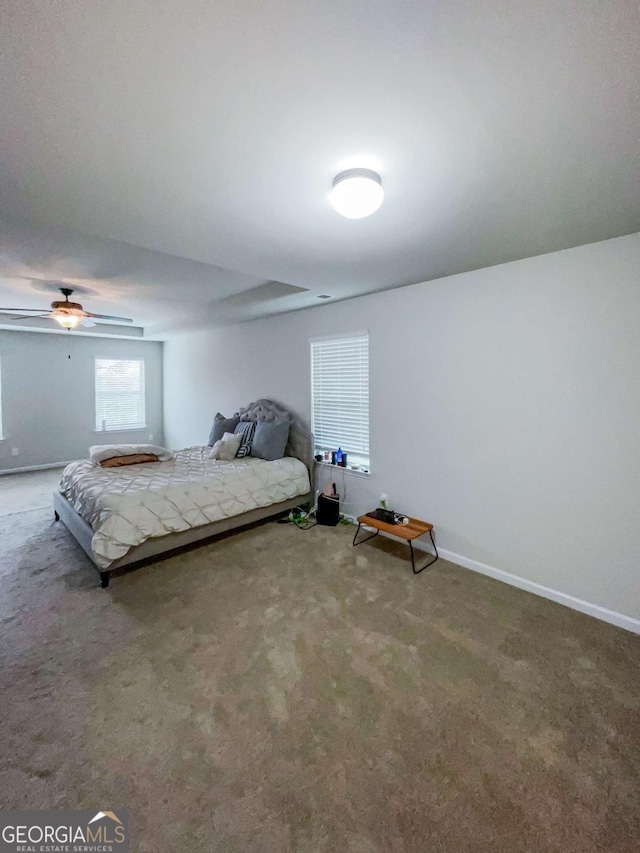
<point x="28" y="490"/>
<point x="279" y="690"/>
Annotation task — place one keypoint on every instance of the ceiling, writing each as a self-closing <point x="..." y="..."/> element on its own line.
<point x="174" y="157"/>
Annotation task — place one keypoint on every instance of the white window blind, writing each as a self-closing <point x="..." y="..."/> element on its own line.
<point x="340" y="394"/>
<point x="119" y="394"/>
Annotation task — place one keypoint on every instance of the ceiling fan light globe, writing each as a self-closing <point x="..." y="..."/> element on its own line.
<point x="67" y="321"/>
<point x="357" y="193"/>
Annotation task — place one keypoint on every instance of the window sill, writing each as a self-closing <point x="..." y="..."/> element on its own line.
<point x="119" y="429"/>
<point x="348" y="470"/>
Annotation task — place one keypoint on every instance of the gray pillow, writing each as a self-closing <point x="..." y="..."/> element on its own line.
<point x="270" y="439"/>
<point x="220" y="426"/>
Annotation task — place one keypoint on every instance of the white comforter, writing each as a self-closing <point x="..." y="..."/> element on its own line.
<point x="126" y="506"/>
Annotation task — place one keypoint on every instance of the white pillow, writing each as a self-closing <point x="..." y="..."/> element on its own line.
<point x="226" y="447"/>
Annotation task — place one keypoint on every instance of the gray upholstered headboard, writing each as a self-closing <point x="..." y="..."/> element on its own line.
<point x="300" y="443"/>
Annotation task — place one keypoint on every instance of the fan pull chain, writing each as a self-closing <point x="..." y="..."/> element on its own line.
<point x="68" y="344"/>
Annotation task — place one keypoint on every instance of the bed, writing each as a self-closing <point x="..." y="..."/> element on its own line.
<point x="121" y="516"/>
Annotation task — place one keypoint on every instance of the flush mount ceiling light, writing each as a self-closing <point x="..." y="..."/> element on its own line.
<point x="357" y="193"/>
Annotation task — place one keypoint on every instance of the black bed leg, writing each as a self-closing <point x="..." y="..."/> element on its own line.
<point x="56" y="515"/>
<point x="104" y="579"/>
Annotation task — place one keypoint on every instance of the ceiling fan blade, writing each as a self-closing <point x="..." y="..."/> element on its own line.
<point x="107" y="317"/>
<point x="23" y="310"/>
<point x="87" y="323"/>
<point x="25" y="316"/>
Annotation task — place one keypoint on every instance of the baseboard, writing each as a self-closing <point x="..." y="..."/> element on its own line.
<point x="602" y="613"/>
<point x="33" y="468"/>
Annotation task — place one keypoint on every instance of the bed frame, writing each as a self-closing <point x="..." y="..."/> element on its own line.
<point x="299" y="445"/>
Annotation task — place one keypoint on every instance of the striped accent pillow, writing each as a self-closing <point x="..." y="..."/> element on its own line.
<point x="246" y="429"/>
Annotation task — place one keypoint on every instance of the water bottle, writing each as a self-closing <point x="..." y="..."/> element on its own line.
<point x="339" y="456"/>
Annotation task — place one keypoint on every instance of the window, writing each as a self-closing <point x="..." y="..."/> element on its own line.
<point x="119" y="394"/>
<point x="340" y="395"/>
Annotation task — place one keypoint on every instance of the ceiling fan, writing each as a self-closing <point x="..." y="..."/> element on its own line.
<point x="68" y="314"/>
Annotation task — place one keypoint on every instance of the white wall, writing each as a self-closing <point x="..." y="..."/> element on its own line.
<point x="48" y="400"/>
<point x="504" y="409"/>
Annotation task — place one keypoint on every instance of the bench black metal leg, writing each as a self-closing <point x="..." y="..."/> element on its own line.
<point x="426" y="565"/>
<point x="104" y="579"/>
<point x="372" y="536"/>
